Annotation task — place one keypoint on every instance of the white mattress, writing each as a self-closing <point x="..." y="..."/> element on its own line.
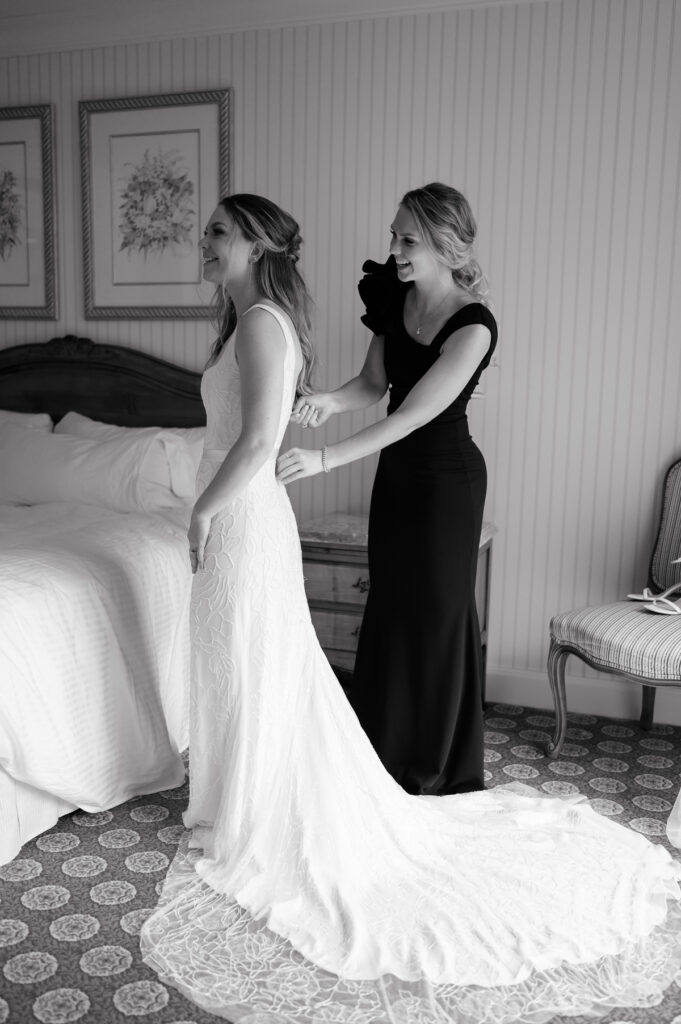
<point x="94" y="661"/>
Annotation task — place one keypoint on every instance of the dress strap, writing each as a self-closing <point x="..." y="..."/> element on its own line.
<point x="278" y="316"/>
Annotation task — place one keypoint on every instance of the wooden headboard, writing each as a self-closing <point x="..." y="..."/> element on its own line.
<point x="106" y="382"/>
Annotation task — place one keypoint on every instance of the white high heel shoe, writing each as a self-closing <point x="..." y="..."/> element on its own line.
<point x="648" y="595"/>
<point x="663" y="606"/>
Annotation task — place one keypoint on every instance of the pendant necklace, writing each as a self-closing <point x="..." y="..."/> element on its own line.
<point x="424" y="321"/>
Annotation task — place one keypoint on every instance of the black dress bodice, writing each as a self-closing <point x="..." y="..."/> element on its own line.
<point x="407" y="360"/>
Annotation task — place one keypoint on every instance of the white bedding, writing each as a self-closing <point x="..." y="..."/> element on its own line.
<point x="94" y="659"/>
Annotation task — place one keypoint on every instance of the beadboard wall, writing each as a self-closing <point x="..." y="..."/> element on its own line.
<point x="561" y="121"/>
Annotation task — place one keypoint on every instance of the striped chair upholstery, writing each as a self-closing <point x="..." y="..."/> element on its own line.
<point x="623" y="638"/>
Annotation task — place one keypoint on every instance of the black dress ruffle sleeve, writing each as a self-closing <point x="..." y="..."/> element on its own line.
<point x="382" y="294"/>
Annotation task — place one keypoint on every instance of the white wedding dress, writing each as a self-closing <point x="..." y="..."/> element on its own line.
<point x="322" y="892"/>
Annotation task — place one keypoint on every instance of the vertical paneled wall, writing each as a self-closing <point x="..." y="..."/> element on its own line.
<point x="562" y="123"/>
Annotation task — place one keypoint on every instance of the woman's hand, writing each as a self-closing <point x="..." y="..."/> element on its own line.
<point x="197" y="535"/>
<point x="297" y="463"/>
<point x="313" y="410"/>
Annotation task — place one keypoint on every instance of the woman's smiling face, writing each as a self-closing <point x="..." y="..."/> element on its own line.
<point x="413" y="257"/>
<point x="224" y="250"/>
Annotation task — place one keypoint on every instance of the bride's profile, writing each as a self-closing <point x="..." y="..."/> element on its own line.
<point x="310" y="886"/>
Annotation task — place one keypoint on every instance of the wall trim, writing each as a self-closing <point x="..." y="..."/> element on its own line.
<point x="81" y="24"/>
<point x="592" y="695"/>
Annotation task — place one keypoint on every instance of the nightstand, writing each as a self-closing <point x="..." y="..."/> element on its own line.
<point x="336" y="574"/>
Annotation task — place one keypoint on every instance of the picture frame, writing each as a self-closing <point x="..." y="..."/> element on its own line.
<point x="152" y="170"/>
<point x="27" y="213"/>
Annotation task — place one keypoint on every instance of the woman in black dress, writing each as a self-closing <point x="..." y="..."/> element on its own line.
<point x="416" y="687"/>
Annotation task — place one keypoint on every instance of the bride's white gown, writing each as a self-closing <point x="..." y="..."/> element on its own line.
<point x="324" y="892"/>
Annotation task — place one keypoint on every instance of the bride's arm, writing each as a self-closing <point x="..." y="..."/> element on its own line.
<point x="368" y="387"/>
<point x="260" y="351"/>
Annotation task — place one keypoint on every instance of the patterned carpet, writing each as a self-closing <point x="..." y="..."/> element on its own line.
<point x="72" y="903"/>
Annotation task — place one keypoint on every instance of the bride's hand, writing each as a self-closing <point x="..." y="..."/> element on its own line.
<point x="297" y="463"/>
<point x="197" y="535"/>
<point x="313" y="410"/>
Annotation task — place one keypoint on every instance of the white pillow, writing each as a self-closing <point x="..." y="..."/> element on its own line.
<point x="171" y="461"/>
<point x="36" y="467"/>
<point x="31" y="420"/>
<point x="194" y="438"/>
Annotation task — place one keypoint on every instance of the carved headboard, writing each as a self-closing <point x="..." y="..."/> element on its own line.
<point x="106" y="382"/>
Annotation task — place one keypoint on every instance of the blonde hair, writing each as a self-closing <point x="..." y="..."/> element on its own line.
<point x="446" y="221"/>
<point x="276" y="274"/>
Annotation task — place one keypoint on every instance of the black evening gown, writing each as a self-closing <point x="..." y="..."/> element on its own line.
<point x="417" y="683"/>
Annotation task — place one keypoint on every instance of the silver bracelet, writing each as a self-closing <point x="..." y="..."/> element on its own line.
<point x="325" y="465"/>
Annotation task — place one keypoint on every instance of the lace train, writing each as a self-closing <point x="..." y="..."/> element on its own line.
<point x="212" y="950"/>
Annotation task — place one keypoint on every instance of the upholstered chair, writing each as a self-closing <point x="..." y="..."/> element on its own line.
<point x="624" y="638"/>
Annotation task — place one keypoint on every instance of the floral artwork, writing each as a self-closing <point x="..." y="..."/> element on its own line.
<point x="157" y="208"/>
<point x="10" y="213"/>
<point x="27" y="214"/>
<point x="152" y="168"/>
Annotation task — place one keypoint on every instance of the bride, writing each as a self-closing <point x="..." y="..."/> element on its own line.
<point x="314" y="888"/>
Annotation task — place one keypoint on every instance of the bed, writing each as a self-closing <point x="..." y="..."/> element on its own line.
<point x="94" y="591"/>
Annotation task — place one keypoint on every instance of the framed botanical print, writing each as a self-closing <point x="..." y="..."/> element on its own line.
<point x="152" y="170"/>
<point x="27" y="220"/>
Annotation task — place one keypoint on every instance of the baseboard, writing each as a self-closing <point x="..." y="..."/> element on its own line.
<point x="592" y="695"/>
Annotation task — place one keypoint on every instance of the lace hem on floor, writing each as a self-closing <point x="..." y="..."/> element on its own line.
<point x="207" y="946"/>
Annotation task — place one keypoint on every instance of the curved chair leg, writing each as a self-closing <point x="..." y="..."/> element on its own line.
<point x="647" y="707"/>
<point x="556" y="668"/>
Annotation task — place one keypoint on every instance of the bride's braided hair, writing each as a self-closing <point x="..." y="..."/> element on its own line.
<point x="446" y="222"/>
<point x="276" y="274"/>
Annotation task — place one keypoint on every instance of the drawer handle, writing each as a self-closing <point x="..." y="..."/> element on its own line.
<point x="356" y="630"/>
<point x="362" y="584"/>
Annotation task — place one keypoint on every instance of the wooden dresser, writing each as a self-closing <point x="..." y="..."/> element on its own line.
<point x="337" y="580"/>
